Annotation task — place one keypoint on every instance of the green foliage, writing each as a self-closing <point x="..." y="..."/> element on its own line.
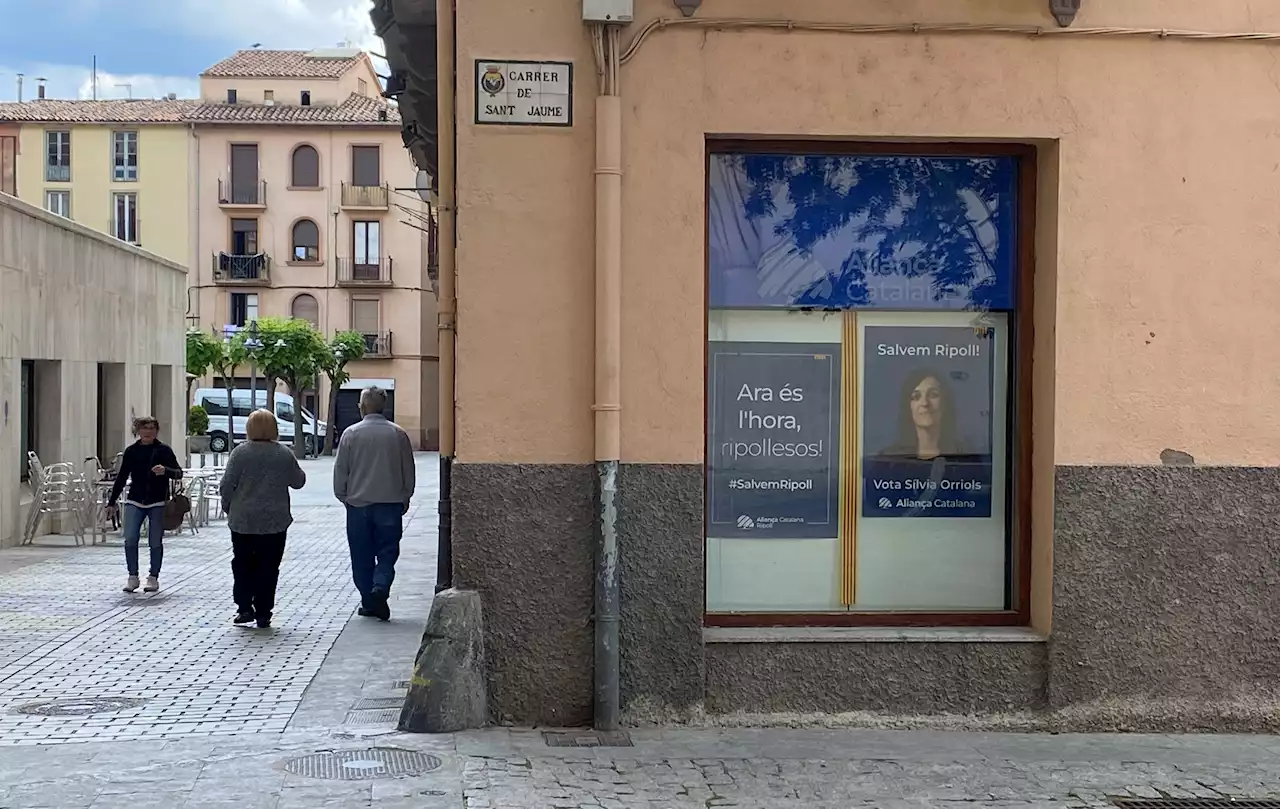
<point x="197" y="421"/>
<point x="345" y="347"/>
<point x="203" y="351"/>
<point x="292" y="350"/>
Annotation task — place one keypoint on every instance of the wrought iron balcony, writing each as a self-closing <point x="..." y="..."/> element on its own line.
<point x="377" y="345"/>
<point x="376" y="273"/>
<point x="254" y="270"/>
<point x="232" y="194"/>
<point x="366" y="197"/>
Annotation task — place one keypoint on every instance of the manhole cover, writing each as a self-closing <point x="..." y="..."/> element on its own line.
<point x="586" y="738"/>
<point x="386" y="716"/>
<point x="371" y="703"/>
<point x="362" y="765"/>
<point x="1195" y="803"/>
<point x="78" y="707"/>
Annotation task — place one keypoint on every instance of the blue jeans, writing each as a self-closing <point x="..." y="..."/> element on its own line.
<point x="373" y="532"/>
<point x="133" y="517"/>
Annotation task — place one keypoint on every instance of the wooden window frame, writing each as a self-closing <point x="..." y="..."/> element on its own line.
<point x="1019" y="517"/>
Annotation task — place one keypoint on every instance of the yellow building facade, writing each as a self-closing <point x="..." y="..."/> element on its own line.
<point x="120" y="167"/>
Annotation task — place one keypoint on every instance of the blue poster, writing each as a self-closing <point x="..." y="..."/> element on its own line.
<point x="927" y="421"/>
<point x="897" y="232"/>
<point x="773" y="440"/>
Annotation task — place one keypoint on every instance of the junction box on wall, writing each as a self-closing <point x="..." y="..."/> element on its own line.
<point x="608" y="11"/>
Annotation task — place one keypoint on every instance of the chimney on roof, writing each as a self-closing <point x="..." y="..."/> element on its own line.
<point x="40" y="86"/>
<point x="172" y="97"/>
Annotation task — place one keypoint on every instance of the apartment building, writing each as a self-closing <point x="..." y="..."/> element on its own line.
<point x="305" y="209"/>
<point x="117" y="166"/>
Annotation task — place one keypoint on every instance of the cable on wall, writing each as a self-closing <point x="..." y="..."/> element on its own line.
<point x="1028" y="31"/>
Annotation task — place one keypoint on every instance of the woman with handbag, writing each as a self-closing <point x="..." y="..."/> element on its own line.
<point x="255" y="496"/>
<point x="148" y="467"/>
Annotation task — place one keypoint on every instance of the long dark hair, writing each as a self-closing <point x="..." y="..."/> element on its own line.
<point x="908" y="442"/>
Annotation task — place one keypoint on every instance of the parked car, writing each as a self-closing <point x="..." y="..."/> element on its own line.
<point x="214" y="401"/>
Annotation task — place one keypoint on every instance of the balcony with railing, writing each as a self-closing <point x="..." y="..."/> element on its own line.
<point x="57" y="174"/>
<point x="242" y="195"/>
<point x="230" y="268"/>
<point x="377" y="345"/>
<point x="367" y="273"/>
<point x="366" y="197"/>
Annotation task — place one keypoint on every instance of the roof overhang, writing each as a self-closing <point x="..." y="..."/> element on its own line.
<point x="408" y="32"/>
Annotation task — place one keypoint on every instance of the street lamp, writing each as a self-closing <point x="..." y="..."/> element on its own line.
<point x="251" y="346"/>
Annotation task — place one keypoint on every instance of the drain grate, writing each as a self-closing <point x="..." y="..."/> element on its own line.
<point x="79" y="707"/>
<point x="362" y="765"/>
<point x="372" y="703"/>
<point x="381" y="717"/>
<point x="401" y="684"/>
<point x="1195" y="803"/>
<point x="586" y="738"/>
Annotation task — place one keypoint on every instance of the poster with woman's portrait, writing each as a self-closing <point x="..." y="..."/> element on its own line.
<point x="927" y="421"/>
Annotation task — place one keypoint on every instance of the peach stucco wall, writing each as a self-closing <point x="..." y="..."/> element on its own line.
<point x="1157" y="286"/>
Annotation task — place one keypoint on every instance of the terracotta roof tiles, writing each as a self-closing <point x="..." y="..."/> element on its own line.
<point x="263" y="64"/>
<point x="113" y="111"/>
<point x="357" y="109"/>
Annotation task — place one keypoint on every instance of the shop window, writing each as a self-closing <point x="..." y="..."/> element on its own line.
<point x="862" y="450"/>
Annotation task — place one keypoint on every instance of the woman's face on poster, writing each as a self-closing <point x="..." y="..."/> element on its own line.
<point x="927" y="403"/>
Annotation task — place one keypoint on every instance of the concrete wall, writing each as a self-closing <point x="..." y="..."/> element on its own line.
<point x="1153" y="321"/>
<point x="405" y="306"/>
<point x="162" y="184"/>
<point x="71" y="298"/>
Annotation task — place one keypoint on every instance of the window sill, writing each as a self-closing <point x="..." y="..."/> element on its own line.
<point x="305" y="263"/>
<point x="861" y="634"/>
<point x="304" y="188"/>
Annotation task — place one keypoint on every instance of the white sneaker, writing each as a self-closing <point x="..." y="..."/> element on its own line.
<point x="131" y="586"/>
<point x="153" y="584"/>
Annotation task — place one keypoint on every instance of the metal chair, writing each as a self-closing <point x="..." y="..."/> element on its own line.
<point x="60" y="491"/>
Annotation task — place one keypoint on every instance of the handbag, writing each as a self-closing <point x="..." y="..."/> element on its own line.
<point x="176" y="507"/>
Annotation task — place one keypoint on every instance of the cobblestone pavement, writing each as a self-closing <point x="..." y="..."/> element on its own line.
<point x="230" y="717"/>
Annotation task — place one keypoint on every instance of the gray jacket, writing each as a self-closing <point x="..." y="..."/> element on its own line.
<point x="255" y="487"/>
<point x="375" y="464"/>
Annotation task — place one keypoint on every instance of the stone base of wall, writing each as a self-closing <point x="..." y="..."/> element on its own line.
<point x="902" y="678"/>
<point x="1165" y="601"/>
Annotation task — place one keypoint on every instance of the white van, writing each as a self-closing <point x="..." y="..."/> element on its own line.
<point x="214" y="402"/>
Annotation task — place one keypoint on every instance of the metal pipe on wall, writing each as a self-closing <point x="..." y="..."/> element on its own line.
<point x="447" y="305"/>
<point x="608" y="387"/>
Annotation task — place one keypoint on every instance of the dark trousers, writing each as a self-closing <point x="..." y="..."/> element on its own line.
<point x="255" y="568"/>
<point x="373" y="532"/>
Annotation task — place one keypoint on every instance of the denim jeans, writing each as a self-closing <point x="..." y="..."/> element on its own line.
<point x="133" y="517"/>
<point x="373" y="533"/>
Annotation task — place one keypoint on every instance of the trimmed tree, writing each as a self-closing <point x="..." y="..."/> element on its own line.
<point x="292" y="351"/>
<point x="342" y="349"/>
<point x="203" y="350"/>
<point x="231" y="355"/>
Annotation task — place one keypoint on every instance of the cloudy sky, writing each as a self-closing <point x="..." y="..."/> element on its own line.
<point x="158" y="46"/>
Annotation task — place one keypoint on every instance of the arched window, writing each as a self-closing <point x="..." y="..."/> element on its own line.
<point x="306" y="308"/>
<point x="306" y="241"/>
<point x="306" y="167"/>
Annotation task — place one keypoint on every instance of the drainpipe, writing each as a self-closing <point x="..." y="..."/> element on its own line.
<point x="608" y="360"/>
<point x="447" y="303"/>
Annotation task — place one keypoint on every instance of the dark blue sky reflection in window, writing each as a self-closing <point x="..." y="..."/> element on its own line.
<point x="861" y="231"/>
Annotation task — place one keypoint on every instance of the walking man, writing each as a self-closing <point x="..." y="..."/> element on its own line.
<point x="374" y="478"/>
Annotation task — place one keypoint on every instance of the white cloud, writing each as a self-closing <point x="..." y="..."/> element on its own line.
<point x="76" y="81"/>
<point x="235" y="24"/>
